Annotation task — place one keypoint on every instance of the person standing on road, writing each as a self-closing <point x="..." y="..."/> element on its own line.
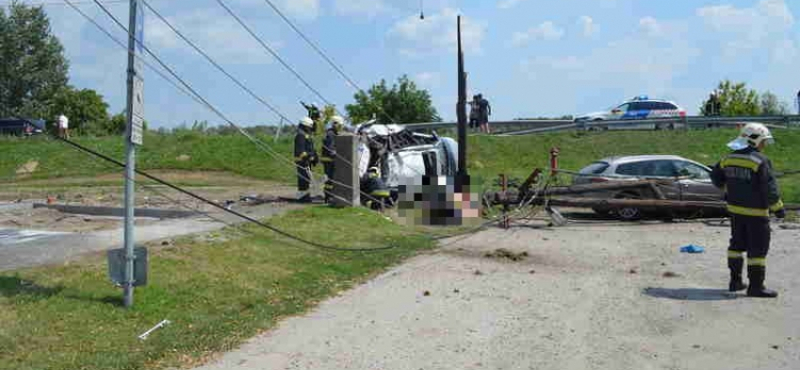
<point x="473" y="113"/>
<point x="63" y="126"/>
<point x="751" y="193"/>
<point x="304" y="157"/>
<point x="798" y="102"/>
<point x="484" y="111"/>
<point x="329" y="154"/>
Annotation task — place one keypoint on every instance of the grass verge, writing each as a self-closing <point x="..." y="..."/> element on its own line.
<point x="217" y="293"/>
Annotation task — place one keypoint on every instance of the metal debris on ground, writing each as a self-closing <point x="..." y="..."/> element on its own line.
<point x="162" y="324"/>
<point x="670" y="274"/>
<point x="505" y="253"/>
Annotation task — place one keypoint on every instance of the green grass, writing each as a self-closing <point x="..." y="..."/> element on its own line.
<point x="216" y="293"/>
<point x="232" y="153"/>
<point x="517" y="156"/>
<point x="488" y="155"/>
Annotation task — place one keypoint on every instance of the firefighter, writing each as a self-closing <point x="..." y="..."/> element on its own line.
<point x="304" y="157"/>
<point x="329" y="153"/>
<point x="373" y="185"/>
<point x="751" y="193"/>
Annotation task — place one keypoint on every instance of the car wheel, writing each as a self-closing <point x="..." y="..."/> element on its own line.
<point x="629" y="213"/>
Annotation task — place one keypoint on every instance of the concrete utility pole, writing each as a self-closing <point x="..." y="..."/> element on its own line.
<point x="461" y="113"/>
<point x="133" y="137"/>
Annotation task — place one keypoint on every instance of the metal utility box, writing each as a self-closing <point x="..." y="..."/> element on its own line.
<point x="116" y="266"/>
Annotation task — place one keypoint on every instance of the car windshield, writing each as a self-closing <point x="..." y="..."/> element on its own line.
<point x="594" y="168"/>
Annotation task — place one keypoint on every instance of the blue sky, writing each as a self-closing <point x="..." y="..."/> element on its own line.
<point x="529" y="57"/>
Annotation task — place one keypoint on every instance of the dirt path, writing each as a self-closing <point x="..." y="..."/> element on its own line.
<point x="584" y="297"/>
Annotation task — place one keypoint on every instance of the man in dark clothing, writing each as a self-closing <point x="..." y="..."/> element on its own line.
<point x="484" y="111"/>
<point x="473" y="113"/>
<point x="304" y="157"/>
<point x="751" y="193"/>
<point x="373" y="185"/>
<point x="329" y="154"/>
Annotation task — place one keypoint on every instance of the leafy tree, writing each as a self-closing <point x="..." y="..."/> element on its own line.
<point x="86" y="110"/>
<point x="772" y="106"/>
<point x="735" y="99"/>
<point x="404" y="103"/>
<point x="33" y="68"/>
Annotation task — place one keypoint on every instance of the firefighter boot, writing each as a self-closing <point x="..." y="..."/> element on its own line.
<point x="757" y="288"/>
<point x="735" y="265"/>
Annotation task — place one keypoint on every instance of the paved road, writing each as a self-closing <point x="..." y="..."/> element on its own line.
<point x="23" y="248"/>
<point x="586" y="297"/>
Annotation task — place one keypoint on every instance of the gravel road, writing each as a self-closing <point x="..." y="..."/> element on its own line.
<point x="585" y="297"/>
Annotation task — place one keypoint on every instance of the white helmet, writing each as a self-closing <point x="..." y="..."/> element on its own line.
<point x="306" y="121"/>
<point x="337" y="120"/>
<point x="752" y="134"/>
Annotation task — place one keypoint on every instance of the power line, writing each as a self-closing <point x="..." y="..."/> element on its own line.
<point x="213" y="62"/>
<point x="61" y="3"/>
<point x="265" y="147"/>
<point x="122" y="45"/>
<point x="324" y="56"/>
<point x="273" y="52"/>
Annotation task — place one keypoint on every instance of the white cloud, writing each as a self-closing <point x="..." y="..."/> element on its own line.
<point x="305" y="10"/>
<point x="769" y="21"/>
<point x="368" y="8"/>
<point x="437" y="32"/>
<point x="546" y="31"/>
<point x="651" y="26"/>
<point x="507" y="4"/>
<point x="428" y="79"/>
<point x="588" y="26"/>
<point x="221" y="37"/>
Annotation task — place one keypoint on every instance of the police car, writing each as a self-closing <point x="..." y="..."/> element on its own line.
<point x="640" y="107"/>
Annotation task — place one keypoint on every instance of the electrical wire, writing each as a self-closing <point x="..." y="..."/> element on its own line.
<point x="261" y="145"/>
<point x="272" y="52"/>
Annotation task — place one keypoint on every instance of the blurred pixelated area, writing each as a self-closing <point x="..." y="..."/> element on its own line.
<point x="438" y="201"/>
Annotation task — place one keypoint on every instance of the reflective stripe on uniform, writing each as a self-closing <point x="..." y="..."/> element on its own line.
<point x="777" y="206"/>
<point x="746" y="157"/>
<point x="326" y="159"/>
<point x="757" y="261"/>
<point x="739" y="162"/>
<point x="380" y="193"/>
<point x="302" y="156"/>
<point x="745" y="211"/>
<point x="735" y="254"/>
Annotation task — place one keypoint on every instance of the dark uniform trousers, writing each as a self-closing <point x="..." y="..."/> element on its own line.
<point x="749" y="235"/>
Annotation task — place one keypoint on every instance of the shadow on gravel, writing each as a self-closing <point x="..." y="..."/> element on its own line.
<point x="690" y="294"/>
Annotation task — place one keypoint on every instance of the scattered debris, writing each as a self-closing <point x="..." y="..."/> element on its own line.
<point x="162" y="324"/>
<point x="478" y="272"/>
<point x="183" y="158"/>
<point x="426" y="293"/>
<point x="166" y="242"/>
<point x="696" y="346"/>
<point x="670" y="274"/>
<point x="789" y="226"/>
<point x="505" y="253"/>
<point x="456" y="291"/>
<point x="633" y="271"/>
<point x="27" y="168"/>
<point x="775" y="347"/>
<point x="691" y="248"/>
<point x="663" y="264"/>
<point x="532" y="271"/>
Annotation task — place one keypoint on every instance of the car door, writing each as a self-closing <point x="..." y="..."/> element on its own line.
<point x="620" y="112"/>
<point x="695" y="183"/>
<point x="656" y="170"/>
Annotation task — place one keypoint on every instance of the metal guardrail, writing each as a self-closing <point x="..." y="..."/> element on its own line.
<point x="537" y="126"/>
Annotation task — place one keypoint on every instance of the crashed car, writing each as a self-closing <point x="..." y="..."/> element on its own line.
<point x="685" y="180"/>
<point x="401" y="154"/>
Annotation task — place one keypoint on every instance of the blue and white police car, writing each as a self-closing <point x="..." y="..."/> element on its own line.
<point x="640" y="107"/>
